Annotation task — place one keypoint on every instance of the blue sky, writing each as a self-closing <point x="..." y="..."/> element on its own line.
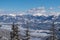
<point x="28" y="4"/>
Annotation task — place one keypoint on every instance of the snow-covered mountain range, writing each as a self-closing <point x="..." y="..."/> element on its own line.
<point x="32" y="18"/>
<point x="34" y="21"/>
<point x="39" y="25"/>
<point x="39" y="21"/>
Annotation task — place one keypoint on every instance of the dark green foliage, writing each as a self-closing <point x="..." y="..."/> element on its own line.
<point x="14" y="34"/>
<point x="53" y="32"/>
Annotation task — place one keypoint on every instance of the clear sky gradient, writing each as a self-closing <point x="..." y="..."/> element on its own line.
<point x="27" y="4"/>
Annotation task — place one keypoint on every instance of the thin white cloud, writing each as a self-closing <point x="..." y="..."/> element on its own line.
<point x="42" y="11"/>
<point x="38" y="10"/>
<point x="58" y="6"/>
<point x="34" y="11"/>
<point x="51" y="8"/>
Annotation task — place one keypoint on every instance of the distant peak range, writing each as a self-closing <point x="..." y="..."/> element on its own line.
<point x="33" y="18"/>
<point x="29" y="15"/>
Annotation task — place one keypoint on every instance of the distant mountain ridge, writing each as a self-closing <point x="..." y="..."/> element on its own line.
<point x="17" y="18"/>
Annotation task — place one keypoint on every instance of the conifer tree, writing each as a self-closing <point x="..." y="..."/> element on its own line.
<point x="53" y="32"/>
<point x="27" y="37"/>
<point x="14" y="34"/>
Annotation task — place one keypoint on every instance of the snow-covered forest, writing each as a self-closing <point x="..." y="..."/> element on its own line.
<point x="26" y="29"/>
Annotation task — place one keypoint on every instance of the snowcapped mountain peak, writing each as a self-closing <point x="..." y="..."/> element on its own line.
<point x="12" y="15"/>
<point x="21" y="14"/>
<point x="38" y="14"/>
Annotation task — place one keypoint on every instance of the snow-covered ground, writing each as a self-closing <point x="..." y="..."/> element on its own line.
<point x="35" y="34"/>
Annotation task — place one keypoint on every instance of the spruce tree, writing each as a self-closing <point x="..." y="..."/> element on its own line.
<point x="14" y="33"/>
<point x="27" y="37"/>
<point x="53" y="32"/>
